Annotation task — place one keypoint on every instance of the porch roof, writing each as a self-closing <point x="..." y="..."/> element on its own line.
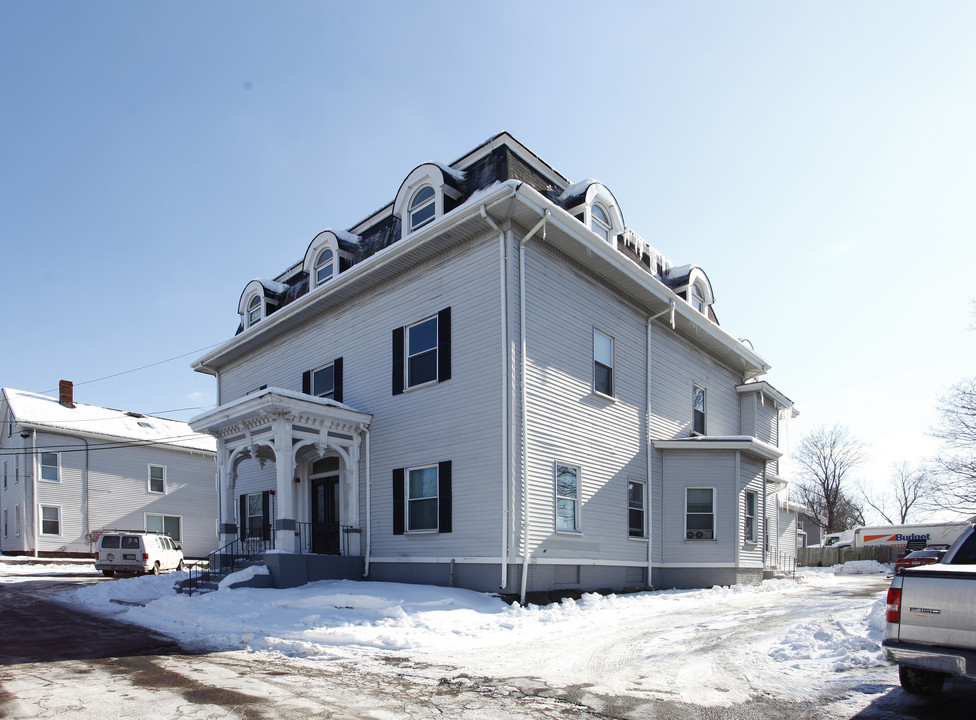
<point x="745" y="443"/>
<point x="270" y="403"/>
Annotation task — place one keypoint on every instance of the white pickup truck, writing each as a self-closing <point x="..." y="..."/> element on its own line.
<point x="931" y="619"/>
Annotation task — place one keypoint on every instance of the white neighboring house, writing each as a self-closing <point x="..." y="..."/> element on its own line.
<point x="70" y="470"/>
<point x="493" y="382"/>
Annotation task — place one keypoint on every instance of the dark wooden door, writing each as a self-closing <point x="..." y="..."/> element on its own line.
<point x="325" y="515"/>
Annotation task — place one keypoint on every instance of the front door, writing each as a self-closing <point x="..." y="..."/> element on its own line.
<point x="325" y="515"/>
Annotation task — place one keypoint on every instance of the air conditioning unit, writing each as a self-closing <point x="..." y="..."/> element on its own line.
<point x="699" y="535"/>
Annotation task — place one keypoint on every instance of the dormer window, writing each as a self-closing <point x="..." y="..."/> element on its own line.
<point x="429" y="192"/>
<point x="254" y="310"/>
<point x="324" y="266"/>
<point x="422" y="207"/>
<point x="330" y="253"/>
<point x="600" y="221"/>
<point x="698" y="298"/>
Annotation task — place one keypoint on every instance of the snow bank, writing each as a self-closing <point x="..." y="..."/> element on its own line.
<point x="862" y="567"/>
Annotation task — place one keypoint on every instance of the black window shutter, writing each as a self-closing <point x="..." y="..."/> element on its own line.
<point x="444" y="345"/>
<point x="398" y="361"/>
<point x="307" y="382"/>
<point x="337" y="380"/>
<point x="398" y="499"/>
<point x="444" y="496"/>
<point x="242" y="527"/>
<point x="266" y="514"/>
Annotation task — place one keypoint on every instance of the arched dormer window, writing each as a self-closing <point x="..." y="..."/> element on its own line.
<point x="592" y="203"/>
<point x="427" y="193"/>
<point x="259" y="300"/>
<point x="324" y="266"/>
<point x="255" y="310"/>
<point x="600" y="221"/>
<point x="329" y="253"/>
<point x="422" y="207"/>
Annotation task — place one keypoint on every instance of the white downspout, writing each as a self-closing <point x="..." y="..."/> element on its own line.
<point x="503" y="289"/>
<point x="34" y="504"/>
<point x="649" y="446"/>
<point x="369" y="534"/>
<point x="522" y="361"/>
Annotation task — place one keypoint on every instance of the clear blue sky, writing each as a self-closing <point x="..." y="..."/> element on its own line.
<point x="816" y="159"/>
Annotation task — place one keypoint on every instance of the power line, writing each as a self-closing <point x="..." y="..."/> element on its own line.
<point x="144" y="367"/>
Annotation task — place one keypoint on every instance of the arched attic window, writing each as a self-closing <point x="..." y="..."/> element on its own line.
<point x="699" y="291"/>
<point x="255" y="310"/>
<point x="600" y="221"/>
<point x="324" y="266"/>
<point x="329" y="253"/>
<point x="422" y="207"/>
<point x="426" y="194"/>
<point x="698" y="298"/>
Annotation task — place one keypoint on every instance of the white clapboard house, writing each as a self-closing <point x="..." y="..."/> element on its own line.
<point x="71" y="470"/>
<point x="493" y="382"/>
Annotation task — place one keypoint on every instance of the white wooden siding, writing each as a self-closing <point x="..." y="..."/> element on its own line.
<point x="567" y="422"/>
<point x="458" y="420"/>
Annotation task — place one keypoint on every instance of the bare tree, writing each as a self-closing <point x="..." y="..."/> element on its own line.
<point x="957" y="429"/>
<point x="909" y="487"/>
<point x="827" y="456"/>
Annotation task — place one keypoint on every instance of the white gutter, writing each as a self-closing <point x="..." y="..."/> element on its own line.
<point x="369" y="536"/>
<point x="503" y="291"/>
<point x="525" y="449"/>
<point x="649" y="447"/>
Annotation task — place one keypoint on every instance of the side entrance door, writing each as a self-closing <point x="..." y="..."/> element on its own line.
<point x="325" y="515"/>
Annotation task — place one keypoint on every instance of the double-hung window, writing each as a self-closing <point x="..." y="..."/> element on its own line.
<point x="324" y="266"/>
<point x="50" y="520"/>
<point x="422" y="352"/>
<point x="602" y="363"/>
<point x="699" y="513"/>
<point x="254" y="310"/>
<point x="750" y="528"/>
<point x="567" y="498"/>
<point x="636" y="507"/>
<point x="600" y="222"/>
<point x="698" y="410"/>
<point x="324" y="382"/>
<point x="50" y="467"/>
<point x="165" y="524"/>
<point x="422" y="499"/>
<point x="157" y="478"/>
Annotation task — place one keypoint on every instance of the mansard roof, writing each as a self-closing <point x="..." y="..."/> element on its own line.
<point x="500" y="170"/>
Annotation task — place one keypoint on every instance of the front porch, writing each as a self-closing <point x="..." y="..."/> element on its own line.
<point x="310" y="505"/>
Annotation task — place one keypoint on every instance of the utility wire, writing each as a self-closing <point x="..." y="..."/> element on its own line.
<point x="144" y="367"/>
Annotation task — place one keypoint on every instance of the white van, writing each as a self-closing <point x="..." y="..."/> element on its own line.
<point x="136" y="552"/>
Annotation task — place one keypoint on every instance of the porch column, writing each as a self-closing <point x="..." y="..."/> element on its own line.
<point x="285" y="539"/>
<point x="354" y="540"/>
<point x="227" y="530"/>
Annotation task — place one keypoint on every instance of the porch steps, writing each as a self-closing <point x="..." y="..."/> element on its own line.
<point x="206" y="581"/>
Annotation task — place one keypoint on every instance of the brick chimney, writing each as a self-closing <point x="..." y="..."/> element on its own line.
<point x="66" y="390"/>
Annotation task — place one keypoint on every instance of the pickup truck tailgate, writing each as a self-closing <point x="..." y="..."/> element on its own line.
<point x="936" y="606"/>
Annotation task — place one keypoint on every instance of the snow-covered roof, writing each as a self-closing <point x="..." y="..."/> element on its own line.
<point x="40" y="411"/>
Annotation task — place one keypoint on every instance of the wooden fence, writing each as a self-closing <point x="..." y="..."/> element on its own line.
<point x="828" y="557"/>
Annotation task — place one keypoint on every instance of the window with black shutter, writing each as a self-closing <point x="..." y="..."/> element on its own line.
<point x="422" y="499"/>
<point x="422" y="352"/>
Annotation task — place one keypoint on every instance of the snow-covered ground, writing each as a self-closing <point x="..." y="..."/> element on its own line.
<point x="814" y="640"/>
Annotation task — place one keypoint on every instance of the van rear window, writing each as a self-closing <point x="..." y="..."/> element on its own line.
<point x="110" y="541"/>
<point x="130" y="542"/>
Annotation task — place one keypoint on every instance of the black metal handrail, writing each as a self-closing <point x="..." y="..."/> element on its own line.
<point x="223" y="561"/>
